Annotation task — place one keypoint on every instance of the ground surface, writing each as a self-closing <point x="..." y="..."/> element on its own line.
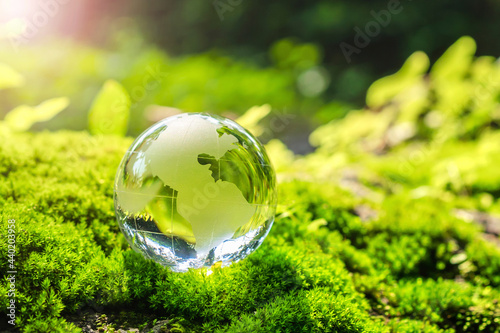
<point x="391" y="225"/>
<point x="342" y="256"/>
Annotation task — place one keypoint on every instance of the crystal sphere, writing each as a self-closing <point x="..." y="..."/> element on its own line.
<point x="193" y="190"/>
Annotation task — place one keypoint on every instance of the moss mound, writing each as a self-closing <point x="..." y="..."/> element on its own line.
<point x="390" y="226"/>
<point x="414" y="266"/>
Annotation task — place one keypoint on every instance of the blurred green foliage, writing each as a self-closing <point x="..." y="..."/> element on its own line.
<point x="457" y="100"/>
<point x="266" y="35"/>
<point x="391" y="225"/>
<point x="246" y="29"/>
<point x="9" y="78"/>
<point x="22" y="117"/>
<point x="151" y="78"/>
<point x="110" y="111"/>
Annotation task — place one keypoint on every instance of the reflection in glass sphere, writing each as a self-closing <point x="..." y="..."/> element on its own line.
<point x="195" y="189"/>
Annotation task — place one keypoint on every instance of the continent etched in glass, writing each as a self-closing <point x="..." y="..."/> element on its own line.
<point x="193" y="190"/>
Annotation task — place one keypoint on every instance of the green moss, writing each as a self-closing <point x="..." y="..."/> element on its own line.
<point x="370" y="242"/>
<point x="321" y="268"/>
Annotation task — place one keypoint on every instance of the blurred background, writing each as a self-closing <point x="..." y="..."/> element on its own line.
<point x="312" y="62"/>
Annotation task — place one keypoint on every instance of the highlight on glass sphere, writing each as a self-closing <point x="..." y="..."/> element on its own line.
<point x="193" y="190"/>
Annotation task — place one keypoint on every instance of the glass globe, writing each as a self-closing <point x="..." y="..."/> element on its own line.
<point x="193" y="190"/>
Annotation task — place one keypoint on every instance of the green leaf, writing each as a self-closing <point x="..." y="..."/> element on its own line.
<point x="23" y="117"/>
<point x="110" y="110"/>
<point x="456" y="61"/>
<point x="384" y="89"/>
<point x="251" y="118"/>
<point x="316" y="224"/>
<point x="9" y="78"/>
